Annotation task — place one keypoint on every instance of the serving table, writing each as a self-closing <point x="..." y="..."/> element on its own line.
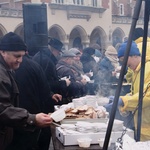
<point x="59" y="146"/>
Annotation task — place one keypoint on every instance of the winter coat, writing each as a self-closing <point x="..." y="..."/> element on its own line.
<point x="10" y="115"/>
<point x="76" y="88"/>
<point x="34" y="91"/>
<point x="48" y="63"/>
<point x="131" y="101"/>
<point x="34" y="95"/>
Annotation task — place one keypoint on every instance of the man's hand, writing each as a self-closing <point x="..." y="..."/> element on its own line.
<point x="43" y="120"/>
<point x="57" y="97"/>
<point x="67" y="81"/>
<point x="84" y="82"/>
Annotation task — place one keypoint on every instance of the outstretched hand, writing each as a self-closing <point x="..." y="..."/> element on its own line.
<point x="57" y="97"/>
<point x="68" y="82"/>
<point x="43" y="120"/>
<point x="120" y="104"/>
<point x="111" y="100"/>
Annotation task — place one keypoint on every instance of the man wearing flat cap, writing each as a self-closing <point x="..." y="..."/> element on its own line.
<point x="65" y="69"/>
<point x="12" y="49"/>
<point x="77" y="63"/>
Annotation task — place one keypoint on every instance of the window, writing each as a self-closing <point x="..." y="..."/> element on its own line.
<point x="59" y="1"/>
<point x="78" y="2"/>
<point x="121" y="9"/>
<point x="94" y="3"/>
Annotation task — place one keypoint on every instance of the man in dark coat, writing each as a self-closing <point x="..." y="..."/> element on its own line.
<point x="35" y="96"/>
<point x="12" y="49"/>
<point x="47" y="58"/>
<point x="90" y="65"/>
<point x="88" y="62"/>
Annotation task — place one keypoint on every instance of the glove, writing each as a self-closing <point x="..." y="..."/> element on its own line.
<point x="111" y="99"/>
<point x="120" y="102"/>
<point x="84" y="82"/>
<point x="108" y="107"/>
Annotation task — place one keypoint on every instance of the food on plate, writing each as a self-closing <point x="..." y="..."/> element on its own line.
<point x="82" y="108"/>
<point x="85" y="112"/>
<point x="94" y="115"/>
<point x="101" y="114"/>
<point x="75" y="111"/>
<point x="89" y="111"/>
<point x="68" y="110"/>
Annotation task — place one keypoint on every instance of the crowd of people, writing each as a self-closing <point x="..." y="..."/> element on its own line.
<point x="31" y="86"/>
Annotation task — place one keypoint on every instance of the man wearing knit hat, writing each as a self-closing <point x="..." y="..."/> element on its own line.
<point x="12" y="49"/>
<point x="134" y="51"/>
<point x="130" y="101"/>
<point x="138" y="39"/>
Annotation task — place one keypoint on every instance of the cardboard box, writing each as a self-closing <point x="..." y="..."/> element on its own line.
<point x="71" y="139"/>
<point x="74" y="121"/>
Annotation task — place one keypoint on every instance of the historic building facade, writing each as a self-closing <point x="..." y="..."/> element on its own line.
<point x="77" y="23"/>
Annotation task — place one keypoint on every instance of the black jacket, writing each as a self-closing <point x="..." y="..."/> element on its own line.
<point x="89" y="64"/>
<point x="10" y="115"/>
<point x="35" y="95"/>
<point x="48" y="62"/>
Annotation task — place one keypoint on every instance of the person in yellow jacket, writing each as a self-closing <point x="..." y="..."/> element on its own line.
<point x="129" y="102"/>
<point x="138" y="38"/>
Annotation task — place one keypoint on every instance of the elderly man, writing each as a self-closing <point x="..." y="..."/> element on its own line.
<point x="48" y="59"/>
<point x="64" y="69"/>
<point x="12" y="49"/>
<point x="130" y="101"/>
<point x="77" y="63"/>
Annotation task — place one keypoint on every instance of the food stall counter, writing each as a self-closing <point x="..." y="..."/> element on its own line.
<point x="59" y="146"/>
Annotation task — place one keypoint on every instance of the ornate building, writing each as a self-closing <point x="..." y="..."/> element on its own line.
<point x="77" y="23"/>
